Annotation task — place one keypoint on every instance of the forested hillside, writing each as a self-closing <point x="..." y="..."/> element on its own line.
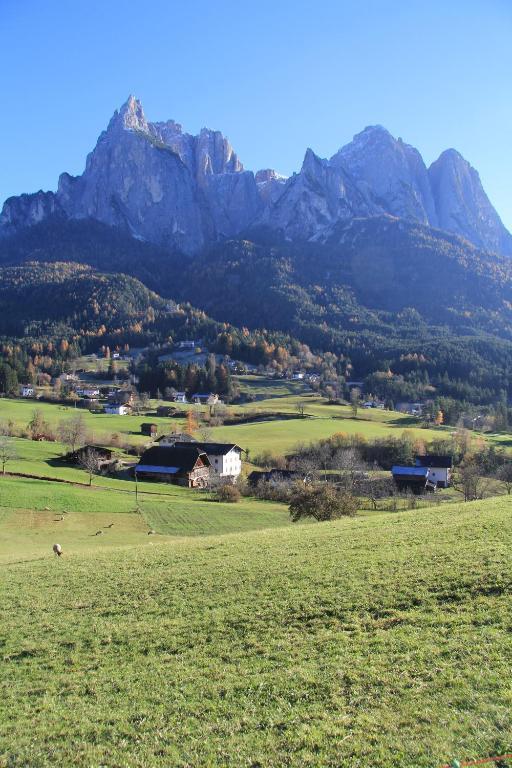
<point x="381" y="294"/>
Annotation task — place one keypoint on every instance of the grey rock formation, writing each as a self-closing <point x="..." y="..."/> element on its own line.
<point x="316" y="198"/>
<point x="183" y="191"/>
<point x="462" y="205"/>
<point x="391" y="172"/>
<point x="270" y="185"/>
<point x="25" y="210"/>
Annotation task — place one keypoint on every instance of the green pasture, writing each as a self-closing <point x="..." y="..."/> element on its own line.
<point x="382" y="641"/>
<point x="280" y="436"/>
<point x="102" y="426"/>
<point x="34" y="514"/>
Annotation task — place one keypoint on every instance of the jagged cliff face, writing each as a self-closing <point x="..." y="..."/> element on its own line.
<point x="463" y="207"/>
<point x="391" y="172"/>
<point x="161" y="184"/>
<point x="183" y="191"/>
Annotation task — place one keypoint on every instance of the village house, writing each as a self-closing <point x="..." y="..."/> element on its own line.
<point x="187" y="344"/>
<point x="105" y="457"/>
<point x="166" y="411"/>
<point x="203" y="399"/>
<point x="117" y="409"/>
<point x="148" y="429"/>
<point x="27" y="390"/>
<point x="415" y="479"/>
<point x="429" y="473"/>
<point x="440" y="468"/>
<point x="225" y="458"/>
<point x="123" y="397"/>
<point x="413" y="409"/>
<point x="179" y="397"/>
<point x="89" y="392"/>
<point x="185" y="465"/>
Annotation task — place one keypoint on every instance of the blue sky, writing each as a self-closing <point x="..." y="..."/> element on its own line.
<point x="275" y="76"/>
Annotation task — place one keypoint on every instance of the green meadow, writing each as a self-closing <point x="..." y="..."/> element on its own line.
<point x="382" y="641"/>
<point x="278" y="435"/>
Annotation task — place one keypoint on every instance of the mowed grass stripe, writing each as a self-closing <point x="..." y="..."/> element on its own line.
<point x="382" y="641"/>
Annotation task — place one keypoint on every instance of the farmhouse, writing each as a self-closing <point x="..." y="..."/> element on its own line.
<point x="104" y="456"/>
<point x="117" y="409"/>
<point x="166" y="411"/>
<point x="89" y="392"/>
<point x="179" y="397"/>
<point x="414" y="409"/>
<point x="27" y="390"/>
<point x="415" y="479"/>
<point x="188" y="344"/>
<point x="440" y="468"/>
<point x="184" y="465"/>
<point x="148" y="429"/>
<point x="206" y="399"/>
<point x="225" y="458"/>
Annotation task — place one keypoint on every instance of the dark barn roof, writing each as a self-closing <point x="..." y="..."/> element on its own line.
<point x="184" y="457"/>
<point x="213" y="448"/>
<point x="433" y="460"/>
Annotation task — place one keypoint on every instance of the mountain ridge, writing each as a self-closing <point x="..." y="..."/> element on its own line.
<point x="187" y="192"/>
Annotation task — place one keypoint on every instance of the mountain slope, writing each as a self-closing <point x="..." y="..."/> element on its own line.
<point x="36" y="297"/>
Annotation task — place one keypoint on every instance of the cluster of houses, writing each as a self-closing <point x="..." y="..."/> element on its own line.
<point x="199" y="398"/>
<point x="429" y="473"/>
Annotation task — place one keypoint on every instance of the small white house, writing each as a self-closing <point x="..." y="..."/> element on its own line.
<point x="117" y="409"/>
<point x="188" y="344"/>
<point x="90" y="392"/>
<point x="180" y="397"/>
<point x="27" y="390"/>
<point x="206" y="399"/>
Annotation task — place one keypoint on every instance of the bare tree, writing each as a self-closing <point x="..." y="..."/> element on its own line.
<point x="300" y="407"/>
<point x="350" y="466"/>
<point x="205" y="434"/>
<point x="468" y="480"/>
<point x="90" y="463"/>
<point x="73" y="432"/>
<point x="7" y="452"/>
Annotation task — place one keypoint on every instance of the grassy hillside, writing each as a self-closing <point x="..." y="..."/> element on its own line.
<point x="383" y="642"/>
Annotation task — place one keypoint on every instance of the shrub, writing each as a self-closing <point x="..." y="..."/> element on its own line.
<point x="322" y="502"/>
<point x="228" y="493"/>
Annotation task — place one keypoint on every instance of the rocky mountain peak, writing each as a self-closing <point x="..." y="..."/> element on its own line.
<point x="462" y="205"/>
<point x="130" y="117"/>
<point x="390" y="171"/>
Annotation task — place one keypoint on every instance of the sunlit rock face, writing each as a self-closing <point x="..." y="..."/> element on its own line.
<point x="186" y="192"/>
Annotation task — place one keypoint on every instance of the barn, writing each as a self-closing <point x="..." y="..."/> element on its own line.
<point x="186" y="465"/>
